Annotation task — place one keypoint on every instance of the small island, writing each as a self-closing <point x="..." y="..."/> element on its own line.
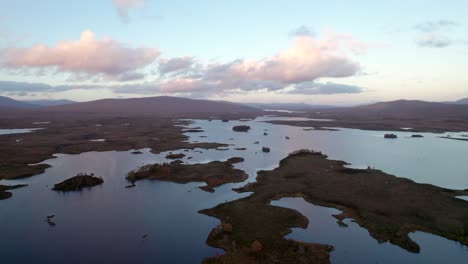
<point x="194" y="130"/>
<point x="392" y="136"/>
<point x="242" y="128"/>
<point x="175" y="156"/>
<point x="235" y="160"/>
<point x="80" y="181"/>
<point x="265" y="149"/>
<point x="214" y="173"/>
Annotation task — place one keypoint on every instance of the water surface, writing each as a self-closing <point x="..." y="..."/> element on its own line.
<point x="107" y="223"/>
<point x="17" y="131"/>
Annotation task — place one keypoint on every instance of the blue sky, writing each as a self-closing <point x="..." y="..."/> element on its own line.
<point x="408" y="49"/>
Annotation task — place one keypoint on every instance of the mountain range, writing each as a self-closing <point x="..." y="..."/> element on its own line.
<point x="407" y="109"/>
<point x="176" y="106"/>
<point x="159" y="106"/>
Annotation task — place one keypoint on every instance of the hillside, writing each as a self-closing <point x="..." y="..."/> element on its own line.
<point x="49" y="102"/>
<point x="462" y="101"/>
<point x="162" y="106"/>
<point x="408" y="109"/>
<point x="289" y="106"/>
<point x="9" y="102"/>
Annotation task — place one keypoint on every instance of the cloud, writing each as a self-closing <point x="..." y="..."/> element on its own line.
<point x="434" y="33"/>
<point x="432" y="40"/>
<point x="308" y="59"/>
<point x="21" y="87"/>
<point x="436" y="25"/>
<point x="175" y="64"/>
<point x="325" y="88"/>
<point x="124" y="6"/>
<point x="302" y="31"/>
<point x="296" y="69"/>
<point x="88" y="55"/>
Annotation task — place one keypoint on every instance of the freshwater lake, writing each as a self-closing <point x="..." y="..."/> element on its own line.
<point x="157" y="222"/>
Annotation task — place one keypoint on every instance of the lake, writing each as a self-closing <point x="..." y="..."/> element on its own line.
<point x="109" y="223"/>
<point x="17" y="131"/>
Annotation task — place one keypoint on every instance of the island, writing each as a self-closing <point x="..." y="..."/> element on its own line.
<point x="235" y="160"/>
<point x="389" y="207"/>
<point x="175" y="156"/>
<point x="78" y="182"/>
<point x="390" y="136"/>
<point x="242" y="128"/>
<point x="214" y="173"/>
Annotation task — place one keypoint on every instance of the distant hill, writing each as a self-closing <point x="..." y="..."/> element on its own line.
<point x="162" y="105"/>
<point x="49" y="102"/>
<point x="462" y="101"/>
<point x="409" y="109"/>
<point x="289" y="106"/>
<point x="9" y="102"/>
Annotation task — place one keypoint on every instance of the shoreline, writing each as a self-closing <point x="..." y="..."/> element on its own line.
<point x="389" y="207"/>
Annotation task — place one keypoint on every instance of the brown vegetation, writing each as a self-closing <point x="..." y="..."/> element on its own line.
<point x="72" y="136"/>
<point x="214" y="173"/>
<point x="235" y="160"/>
<point x="388" y="206"/>
<point x="78" y="182"/>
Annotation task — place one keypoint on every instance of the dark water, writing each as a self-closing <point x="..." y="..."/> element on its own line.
<point x="108" y="222"/>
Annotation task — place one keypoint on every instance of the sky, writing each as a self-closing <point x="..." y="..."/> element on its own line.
<point x="316" y="52"/>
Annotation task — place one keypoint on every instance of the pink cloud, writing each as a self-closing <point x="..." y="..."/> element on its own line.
<point x="178" y="85"/>
<point x="87" y="55"/>
<point x="308" y="59"/>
